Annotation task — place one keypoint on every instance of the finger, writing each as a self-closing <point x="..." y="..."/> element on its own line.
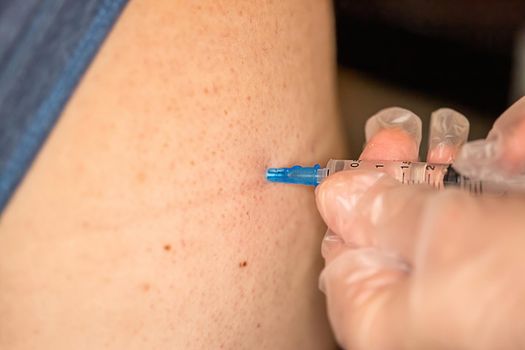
<point x="448" y="132"/>
<point x="392" y="134"/>
<point x="366" y="298"/>
<point x="371" y="209"/>
<point x="501" y="156"/>
<point x="342" y="196"/>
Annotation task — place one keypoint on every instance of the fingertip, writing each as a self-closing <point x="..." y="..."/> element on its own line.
<point x="392" y="134"/>
<point x="442" y="154"/>
<point x="342" y="201"/>
<point x="449" y="130"/>
<point x="501" y="156"/>
<point x="335" y="193"/>
<point x="391" y="144"/>
<point x="394" y="118"/>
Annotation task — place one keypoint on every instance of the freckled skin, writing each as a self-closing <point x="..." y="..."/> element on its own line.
<point x="146" y="221"/>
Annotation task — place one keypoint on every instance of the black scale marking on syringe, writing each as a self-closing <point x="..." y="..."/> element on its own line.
<point x="438" y="176"/>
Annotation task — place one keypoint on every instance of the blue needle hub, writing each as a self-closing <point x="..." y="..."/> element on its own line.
<point x="295" y="175"/>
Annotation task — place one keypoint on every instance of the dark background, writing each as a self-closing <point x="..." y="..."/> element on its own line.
<point x="459" y="50"/>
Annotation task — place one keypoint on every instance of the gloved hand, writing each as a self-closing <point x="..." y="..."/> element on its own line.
<point x="408" y="267"/>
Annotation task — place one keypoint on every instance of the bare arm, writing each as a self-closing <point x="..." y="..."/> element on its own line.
<point x="146" y="221"/>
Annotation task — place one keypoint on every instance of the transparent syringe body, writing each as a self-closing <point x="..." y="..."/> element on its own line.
<point x="438" y="176"/>
<point x="412" y="173"/>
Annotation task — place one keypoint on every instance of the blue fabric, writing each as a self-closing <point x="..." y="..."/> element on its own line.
<point x="45" y="47"/>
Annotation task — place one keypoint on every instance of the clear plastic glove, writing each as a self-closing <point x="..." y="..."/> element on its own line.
<point x="408" y="267"/>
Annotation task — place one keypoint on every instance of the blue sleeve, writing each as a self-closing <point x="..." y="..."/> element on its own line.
<point x="45" y="47"/>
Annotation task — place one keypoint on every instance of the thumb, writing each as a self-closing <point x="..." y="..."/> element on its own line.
<point x="374" y="227"/>
<point x="501" y="156"/>
<point x="368" y="250"/>
<point x="370" y="209"/>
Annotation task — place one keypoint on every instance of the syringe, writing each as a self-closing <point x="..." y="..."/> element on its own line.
<point x="410" y="173"/>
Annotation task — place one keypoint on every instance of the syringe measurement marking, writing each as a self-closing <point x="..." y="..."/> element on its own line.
<point x="438" y="176"/>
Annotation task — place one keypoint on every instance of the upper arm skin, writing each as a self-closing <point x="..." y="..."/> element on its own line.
<point x="145" y="221"/>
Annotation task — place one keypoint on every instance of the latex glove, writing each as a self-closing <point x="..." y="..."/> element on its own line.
<point x="408" y="267"/>
<point x="501" y="156"/>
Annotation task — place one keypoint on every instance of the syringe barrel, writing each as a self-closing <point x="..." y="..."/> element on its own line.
<point x="435" y="175"/>
<point x="405" y="172"/>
